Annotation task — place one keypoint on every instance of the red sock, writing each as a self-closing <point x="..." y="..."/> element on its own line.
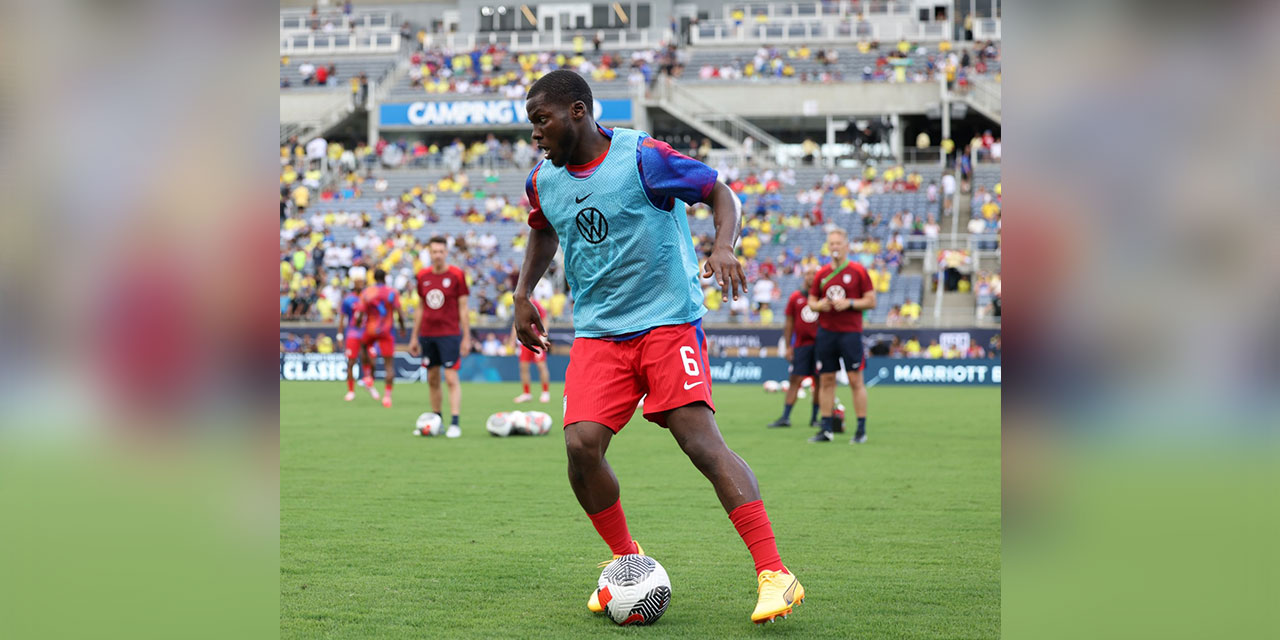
<point x="389" y="386"/>
<point x="545" y="388"/>
<point x="526" y="389"/>
<point x="351" y="384"/>
<point x="753" y="525"/>
<point x="611" y="524"/>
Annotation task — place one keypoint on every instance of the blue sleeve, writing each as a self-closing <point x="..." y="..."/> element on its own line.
<point x="668" y="174"/>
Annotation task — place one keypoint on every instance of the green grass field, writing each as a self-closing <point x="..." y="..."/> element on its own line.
<point x="385" y="535"/>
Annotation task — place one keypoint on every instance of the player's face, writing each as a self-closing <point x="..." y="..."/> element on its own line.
<point x="808" y="279"/>
<point x="838" y="245"/>
<point x="554" y="132"/>
<point x="438" y="251"/>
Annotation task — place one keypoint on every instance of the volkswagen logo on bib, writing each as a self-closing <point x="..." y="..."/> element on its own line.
<point x="435" y="298"/>
<point x="809" y="316"/>
<point x="835" y="292"/>
<point x="592" y="225"/>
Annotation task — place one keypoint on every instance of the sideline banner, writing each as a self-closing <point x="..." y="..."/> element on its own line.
<point x="478" y="368"/>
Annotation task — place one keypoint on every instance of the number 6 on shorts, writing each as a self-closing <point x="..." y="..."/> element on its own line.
<point x="690" y="364"/>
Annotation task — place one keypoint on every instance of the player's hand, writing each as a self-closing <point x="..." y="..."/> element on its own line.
<point x="823" y="305"/>
<point x="338" y="337"/>
<point x="414" y="348"/>
<point x="529" y="329"/>
<point x="841" y="305"/>
<point x="465" y="349"/>
<point x="790" y="353"/>
<point x="727" y="271"/>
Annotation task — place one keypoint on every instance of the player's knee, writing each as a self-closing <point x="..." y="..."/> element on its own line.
<point x="584" y="449"/>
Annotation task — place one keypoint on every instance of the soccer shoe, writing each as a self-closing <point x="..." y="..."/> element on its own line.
<point x="386" y="400"/>
<point x="858" y="438"/>
<point x="351" y="395"/>
<point x="822" y="436"/>
<point x="593" y="603"/>
<point x="524" y="397"/>
<point x="779" y="592"/>
<point x="545" y="397"/>
<point x="780" y="422"/>
<point x="373" y="391"/>
<point x="453" y="431"/>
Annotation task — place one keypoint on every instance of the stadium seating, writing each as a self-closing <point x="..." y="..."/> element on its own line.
<point x="375" y="68"/>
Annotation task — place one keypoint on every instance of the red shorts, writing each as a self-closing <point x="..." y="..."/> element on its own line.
<point x="529" y="356"/>
<point x="607" y="378"/>
<point x="351" y="344"/>
<point x="385" y="342"/>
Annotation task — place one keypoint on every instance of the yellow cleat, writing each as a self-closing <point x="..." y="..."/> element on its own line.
<point x="779" y="592"/>
<point x="593" y="603"/>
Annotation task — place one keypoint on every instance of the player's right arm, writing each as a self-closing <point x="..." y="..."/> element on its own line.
<point x="537" y="257"/>
<point x="541" y="249"/>
<point x="816" y="303"/>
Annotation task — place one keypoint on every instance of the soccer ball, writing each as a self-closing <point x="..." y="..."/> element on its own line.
<point x="634" y="589"/>
<point x="786" y="385"/>
<point x="771" y="386"/>
<point x="429" y="424"/>
<point x="539" y="423"/>
<point x="806" y="383"/>
<point x="499" y="424"/>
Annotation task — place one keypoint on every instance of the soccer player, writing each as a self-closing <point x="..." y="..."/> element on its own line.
<point x="528" y="356"/>
<point x="841" y="291"/>
<point x="442" y="328"/>
<point x="799" y="333"/>
<point x="615" y="200"/>
<point x="351" y="334"/>
<point x="376" y="307"/>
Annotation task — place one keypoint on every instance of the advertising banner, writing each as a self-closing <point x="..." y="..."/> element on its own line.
<point x="477" y="368"/>
<point x="481" y="112"/>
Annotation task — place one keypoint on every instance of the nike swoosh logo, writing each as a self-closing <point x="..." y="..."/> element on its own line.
<point x="790" y="593"/>
<point x="579" y="200"/>
<point x="688" y="386"/>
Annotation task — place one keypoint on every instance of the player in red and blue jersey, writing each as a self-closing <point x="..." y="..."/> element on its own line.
<point x="799" y="334"/>
<point x="351" y="333"/>
<point x="376" y="307"/>
<point x="614" y="200"/>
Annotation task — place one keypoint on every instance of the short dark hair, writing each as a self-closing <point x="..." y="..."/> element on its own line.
<point x="565" y="87"/>
<point x="379" y="275"/>
<point x="438" y="240"/>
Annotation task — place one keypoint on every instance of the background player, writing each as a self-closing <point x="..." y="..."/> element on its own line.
<point x="377" y="304"/>
<point x="528" y="356"/>
<point x="841" y="291"/>
<point x="351" y="334"/>
<point x="615" y="200"/>
<point x="442" y="328"/>
<point x="799" y="333"/>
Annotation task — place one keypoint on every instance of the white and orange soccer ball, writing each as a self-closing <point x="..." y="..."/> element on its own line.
<point x="539" y="423"/>
<point x="771" y="386"/>
<point x="785" y="385"/>
<point x="634" y="590"/>
<point x="499" y="424"/>
<point x="429" y="424"/>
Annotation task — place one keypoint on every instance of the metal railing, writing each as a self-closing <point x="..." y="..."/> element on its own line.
<point x="520" y="41"/>
<point x="339" y="43"/>
<point x="865" y="9"/>
<point x="986" y="29"/>
<point x="301" y="21"/>
<point x="786" y="30"/>
<point x="731" y="125"/>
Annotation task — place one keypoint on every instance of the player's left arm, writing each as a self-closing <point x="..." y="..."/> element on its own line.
<point x="667" y="173"/>
<point x="868" y="299"/>
<point x="723" y="265"/>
